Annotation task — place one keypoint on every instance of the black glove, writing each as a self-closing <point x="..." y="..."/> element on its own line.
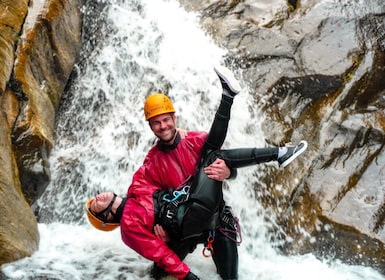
<point x="191" y="276"/>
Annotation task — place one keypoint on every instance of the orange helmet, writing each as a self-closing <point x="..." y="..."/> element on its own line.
<point x="157" y="104"/>
<point x="97" y="222"/>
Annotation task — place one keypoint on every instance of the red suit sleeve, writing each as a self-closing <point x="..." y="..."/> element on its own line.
<point x="140" y="185"/>
<point x="137" y="233"/>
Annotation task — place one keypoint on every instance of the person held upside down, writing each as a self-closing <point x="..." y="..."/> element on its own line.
<point x="172" y="204"/>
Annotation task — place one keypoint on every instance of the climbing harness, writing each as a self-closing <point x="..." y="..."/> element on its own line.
<point x="169" y="203"/>
<point x="237" y="232"/>
<point x="177" y="194"/>
<point x="208" y="250"/>
<point x="230" y="226"/>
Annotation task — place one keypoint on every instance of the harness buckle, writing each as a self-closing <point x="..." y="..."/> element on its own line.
<point x="208" y="250"/>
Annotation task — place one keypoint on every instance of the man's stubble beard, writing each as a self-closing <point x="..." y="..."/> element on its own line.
<point x="170" y="140"/>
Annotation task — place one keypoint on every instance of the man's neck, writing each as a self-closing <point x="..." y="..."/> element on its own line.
<point x="170" y="145"/>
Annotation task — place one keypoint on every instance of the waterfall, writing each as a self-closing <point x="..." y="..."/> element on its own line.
<point x="102" y="138"/>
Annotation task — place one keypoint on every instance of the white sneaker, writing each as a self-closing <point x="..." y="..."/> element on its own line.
<point x="292" y="153"/>
<point x="228" y="81"/>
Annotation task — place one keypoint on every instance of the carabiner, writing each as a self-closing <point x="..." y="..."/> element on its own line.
<point x="208" y="247"/>
<point x="210" y="252"/>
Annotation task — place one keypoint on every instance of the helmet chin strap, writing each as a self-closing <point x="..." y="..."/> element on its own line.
<point x="103" y="215"/>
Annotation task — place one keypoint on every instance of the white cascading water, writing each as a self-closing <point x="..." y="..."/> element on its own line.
<point x="102" y="139"/>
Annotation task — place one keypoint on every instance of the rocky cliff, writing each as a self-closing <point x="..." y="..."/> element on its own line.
<point x="317" y="69"/>
<point x="40" y="42"/>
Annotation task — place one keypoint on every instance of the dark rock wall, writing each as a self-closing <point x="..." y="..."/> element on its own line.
<point x="40" y="44"/>
<point x="317" y="71"/>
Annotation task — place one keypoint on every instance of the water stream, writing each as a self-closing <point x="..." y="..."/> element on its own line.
<point x="102" y="139"/>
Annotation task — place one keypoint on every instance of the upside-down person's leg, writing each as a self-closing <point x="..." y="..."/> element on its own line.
<point x="236" y="158"/>
<point x="219" y="127"/>
<point x="218" y="130"/>
<point x="242" y="157"/>
<point x="225" y="255"/>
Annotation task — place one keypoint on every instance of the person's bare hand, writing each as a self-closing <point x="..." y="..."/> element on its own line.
<point x="161" y="233"/>
<point x="218" y="170"/>
<point x="182" y="132"/>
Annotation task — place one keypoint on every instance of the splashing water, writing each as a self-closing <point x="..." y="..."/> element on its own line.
<point x="102" y="139"/>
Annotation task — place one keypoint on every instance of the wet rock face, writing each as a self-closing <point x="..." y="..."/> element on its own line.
<point x="317" y="71"/>
<point x="19" y="236"/>
<point x="46" y="53"/>
<point x="39" y="46"/>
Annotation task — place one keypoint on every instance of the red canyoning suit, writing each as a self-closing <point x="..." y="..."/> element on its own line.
<point x="161" y="170"/>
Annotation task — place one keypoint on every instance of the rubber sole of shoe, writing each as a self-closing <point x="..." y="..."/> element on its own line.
<point x="228" y="77"/>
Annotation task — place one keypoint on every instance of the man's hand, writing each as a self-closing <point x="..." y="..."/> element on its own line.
<point x="182" y="132"/>
<point x="218" y="170"/>
<point x="161" y="233"/>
